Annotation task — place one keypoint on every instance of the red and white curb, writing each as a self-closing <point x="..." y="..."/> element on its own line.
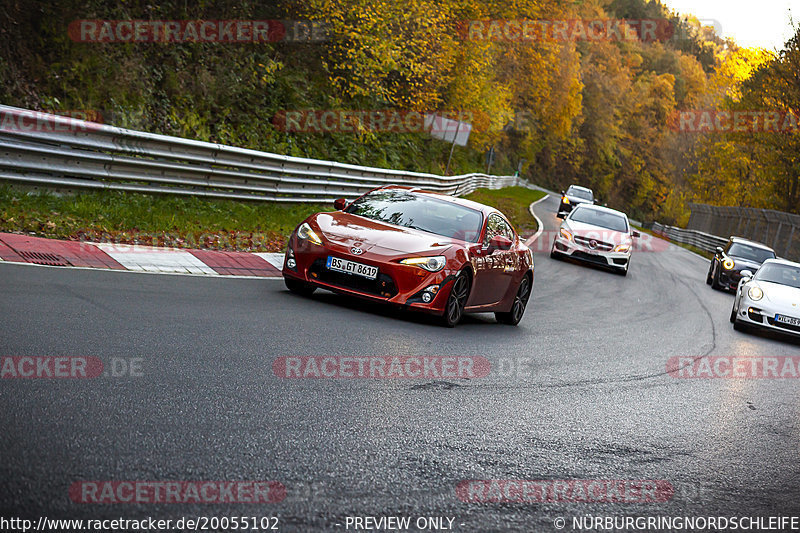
<point x="137" y="258"/>
<point x="15" y="248"/>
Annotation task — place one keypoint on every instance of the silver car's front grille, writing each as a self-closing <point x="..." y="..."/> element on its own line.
<point x="598" y="245"/>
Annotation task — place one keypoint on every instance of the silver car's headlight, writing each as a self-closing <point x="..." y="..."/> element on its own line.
<point x="431" y="264"/>
<point x="755" y="293"/>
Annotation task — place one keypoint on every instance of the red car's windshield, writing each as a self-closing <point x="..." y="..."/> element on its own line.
<point x="421" y="212"/>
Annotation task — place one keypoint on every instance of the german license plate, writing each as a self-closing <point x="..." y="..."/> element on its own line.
<point x="787" y="320"/>
<point x="351" y="267"/>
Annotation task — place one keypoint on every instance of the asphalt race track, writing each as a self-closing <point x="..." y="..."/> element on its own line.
<point x="579" y="390"/>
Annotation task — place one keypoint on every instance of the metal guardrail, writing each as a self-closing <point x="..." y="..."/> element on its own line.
<point x="60" y="152"/>
<point x="698" y="239"/>
<point x="779" y="230"/>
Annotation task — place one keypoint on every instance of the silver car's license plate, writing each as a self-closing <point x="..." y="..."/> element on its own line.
<point x="351" y="267"/>
<point x="787" y="320"/>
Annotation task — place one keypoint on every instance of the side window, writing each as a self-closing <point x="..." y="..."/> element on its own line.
<point x="495" y="225"/>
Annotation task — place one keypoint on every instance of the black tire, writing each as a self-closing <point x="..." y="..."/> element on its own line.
<point x="553" y="253"/>
<point x="733" y="313"/>
<point x="456" y="301"/>
<point x="513" y="317"/>
<point x="710" y="271"/>
<point x="299" y="287"/>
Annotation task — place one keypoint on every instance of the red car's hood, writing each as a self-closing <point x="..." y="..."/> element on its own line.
<point x="348" y="230"/>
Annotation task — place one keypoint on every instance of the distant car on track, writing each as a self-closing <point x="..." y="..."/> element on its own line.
<point x="770" y="298"/>
<point x="416" y="249"/>
<point x="596" y="235"/>
<point x="728" y="262"/>
<point x="575" y="195"/>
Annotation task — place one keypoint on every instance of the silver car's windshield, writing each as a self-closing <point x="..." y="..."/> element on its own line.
<point x="604" y="219"/>
<point x="783" y="274"/>
<point x="580" y="193"/>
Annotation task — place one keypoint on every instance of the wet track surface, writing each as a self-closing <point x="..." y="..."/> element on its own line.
<point x="578" y="390"/>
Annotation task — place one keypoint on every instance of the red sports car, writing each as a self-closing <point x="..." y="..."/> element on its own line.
<point x="416" y="249"/>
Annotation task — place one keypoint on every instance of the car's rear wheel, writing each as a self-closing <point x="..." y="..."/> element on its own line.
<point x="513" y="317"/>
<point x="299" y="287"/>
<point x="456" y="301"/>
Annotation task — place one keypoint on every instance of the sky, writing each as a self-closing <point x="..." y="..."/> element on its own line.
<point x="763" y="23"/>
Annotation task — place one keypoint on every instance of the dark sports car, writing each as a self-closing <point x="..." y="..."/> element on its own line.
<point x="415" y="249"/>
<point x="728" y="263"/>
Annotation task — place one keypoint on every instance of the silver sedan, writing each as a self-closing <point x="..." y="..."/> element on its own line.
<point x="769" y="299"/>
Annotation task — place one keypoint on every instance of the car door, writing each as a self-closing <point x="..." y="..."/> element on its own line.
<point x="493" y="269"/>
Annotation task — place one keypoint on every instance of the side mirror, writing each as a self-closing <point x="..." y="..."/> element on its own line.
<point x="561" y="214"/>
<point x="499" y="242"/>
<point x="719" y="250"/>
<point x="746" y="274"/>
<point x="636" y="234"/>
<point x="562" y="192"/>
<point x="339" y="204"/>
<point x="595" y="201"/>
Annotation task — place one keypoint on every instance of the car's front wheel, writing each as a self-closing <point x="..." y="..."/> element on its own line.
<point x="710" y="273"/>
<point x="733" y="313"/>
<point x="299" y="287"/>
<point x="456" y="301"/>
<point x="513" y="317"/>
<point x="553" y="253"/>
<point x="715" y="284"/>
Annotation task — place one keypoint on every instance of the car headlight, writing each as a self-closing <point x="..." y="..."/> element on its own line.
<point x="728" y="263"/>
<point x="431" y="264"/>
<point x="624" y="247"/>
<point x="755" y="293"/>
<point x="566" y="234"/>
<point x="564" y="200"/>
<point x="306" y="233"/>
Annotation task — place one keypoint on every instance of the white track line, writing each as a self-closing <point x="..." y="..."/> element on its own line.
<point x="152" y="259"/>
<point x="70" y="267"/>
<point x="273" y="259"/>
<point x="538" y="221"/>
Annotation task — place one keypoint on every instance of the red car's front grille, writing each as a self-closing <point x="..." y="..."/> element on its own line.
<point x="383" y="286"/>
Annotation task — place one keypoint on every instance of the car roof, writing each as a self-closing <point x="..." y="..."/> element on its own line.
<point x="485" y="209"/>
<point x="782" y="262"/>
<point x="742" y="240"/>
<point x="580" y="188"/>
<point x="600" y="208"/>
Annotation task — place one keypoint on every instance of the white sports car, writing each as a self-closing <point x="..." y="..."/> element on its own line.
<point x="597" y="235"/>
<point x="770" y="298"/>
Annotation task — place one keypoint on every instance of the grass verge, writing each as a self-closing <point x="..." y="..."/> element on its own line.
<point x="190" y="222"/>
